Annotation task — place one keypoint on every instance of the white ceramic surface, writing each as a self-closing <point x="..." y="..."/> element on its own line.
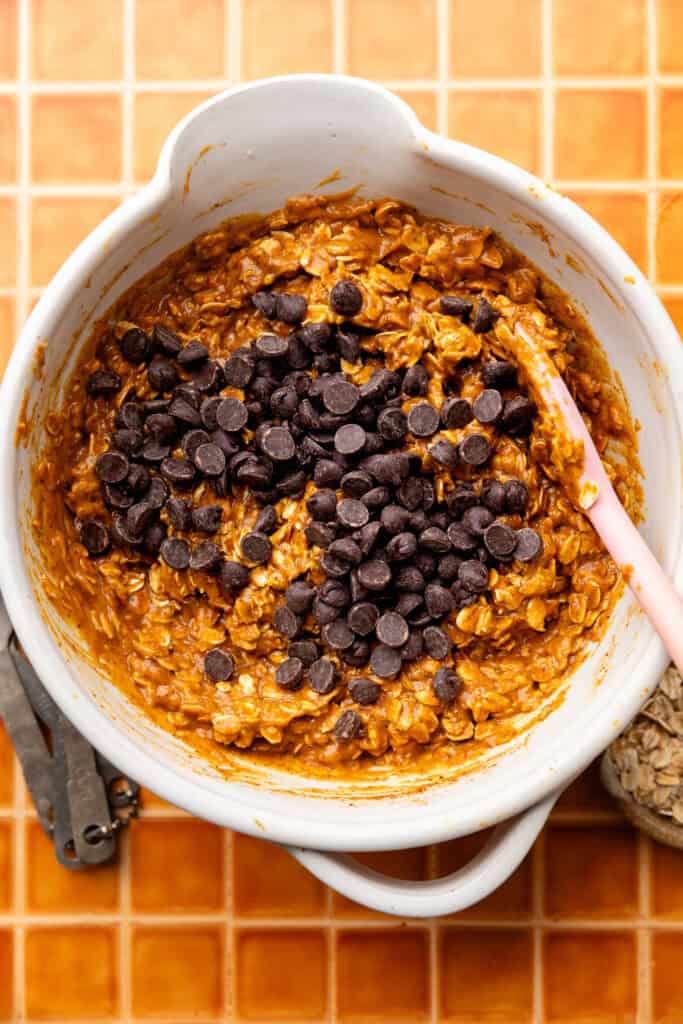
<point x="247" y="150"/>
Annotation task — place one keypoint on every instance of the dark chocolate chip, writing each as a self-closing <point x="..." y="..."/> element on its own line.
<point x="192" y="440"/>
<point x="346" y="298"/>
<point x="271" y="346"/>
<point x="337" y="635"/>
<point x="179" y="513"/>
<point x="392" y="424"/>
<point x="456" y="413"/>
<point x="265" y="303"/>
<point x="138" y="480"/>
<point x="219" y="665"/>
<point x="179" y="472"/>
<point x="477" y="519"/>
<point x="488" y="406"/>
<point x="409" y="578"/>
<point x="231" y="415"/>
<point x="349" y="726"/>
<point x="166" y="340"/>
<point x="320" y="534"/>
<point x="184" y="411"/>
<point x="375" y="574"/>
<point x="499" y="373"/>
<point x="208" y="376"/>
<point x="256" y="548"/>
<point x="284" y="402"/>
<point x="278" y="444"/>
<point x="376" y="498"/>
<point x="357" y="654"/>
<point x="335" y="567"/>
<point x="473" y="576"/>
<point x="234" y="577"/>
<point x="349" y="439"/>
<point x="157" y="493"/>
<point x="492" y="494"/>
<point x="121" y="536"/>
<point x="136" y="346"/>
<point x="341" y="398"/>
<point x="193" y="352"/>
<point x="209" y="459"/>
<point x="392" y="629"/>
<point x="436" y="643"/>
<point x="423" y="420"/>
<point x="111" y="467"/>
<point x="500" y="540"/>
<point x="239" y="368"/>
<point x="290" y="308"/>
<point x="446" y="685"/>
<point x="395" y="519"/>
<point x="128" y="440"/>
<point x="416" y="381"/>
<point x="334" y="592"/>
<point x="175" y="553"/>
<point x="155" y="534"/>
<point x="161" y="427"/>
<point x="286" y="622"/>
<point x="352" y="513"/>
<point x="438" y="600"/>
<point x="305" y="650"/>
<point x="367" y="535"/>
<point x="206" y="557"/>
<point x="517" y="415"/>
<point x="460" y="499"/>
<point x="315" y="336"/>
<point x="364" y="691"/>
<point x="516" y="496"/>
<point x="103" y="382"/>
<point x="461" y="539"/>
<point x="425" y="561"/>
<point x="255" y="473"/>
<point x="290" y="674"/>
<point x="323" y="613"/>
<point x="529" y="544"/>
<point x="445" y="453"/>
<point x="322" y="505"/>
<point x="362" y="617"/>
<point x="401" y="546"/>
<point x="130" y="416"/>
<point x="447" y="568"/>
<point x="321" y="676"/>
<point x="162" y="374"/>
<point x="435" y="539"/>
<point x="484" y="317"/>
<point x="348" y="346"/>
<point x="299" y="597"/>
<point x="207" y="518"/>
<point x="189" y="393"/>
<point x="475" y="450"/>
<point x="356" y="484"/>
<point x="139" y="516"/>
<point x="389" y="469"/>
<point x="293" y="484"/>
<point x="385" y="661"/>
<point x="454" y="305"/>
<point x="94" y="536"/>
<point x="266" y="521"/>
<point x="346" y="549"/>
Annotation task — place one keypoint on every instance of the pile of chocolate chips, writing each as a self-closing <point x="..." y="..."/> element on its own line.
<point x="396" y="561"/>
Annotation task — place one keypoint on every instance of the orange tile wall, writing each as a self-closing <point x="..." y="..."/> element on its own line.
<point x="196" y="924"/>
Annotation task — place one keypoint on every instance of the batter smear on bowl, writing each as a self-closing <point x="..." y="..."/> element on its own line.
<point x="298" y="498"/>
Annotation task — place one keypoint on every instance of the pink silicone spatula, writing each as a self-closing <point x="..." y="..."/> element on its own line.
<point x="595" y="495"/>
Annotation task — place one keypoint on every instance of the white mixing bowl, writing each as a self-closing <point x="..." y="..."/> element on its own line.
<point x="248" y="150"/>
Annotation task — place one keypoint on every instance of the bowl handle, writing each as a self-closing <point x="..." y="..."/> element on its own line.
<point x="504" y="852"/>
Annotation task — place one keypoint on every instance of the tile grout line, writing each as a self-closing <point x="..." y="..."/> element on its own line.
<point x="339" y="35"/>
<point x="548" y="104"/>
<point x="537" y="902"/>
<point x="469" y="84"/>
<point x="443" y="29"/>
<point x="434" y="986"/>
<point x="23" y="226"/>
<point x="127" y="176"/>
<point x="643" y="942"/>
<point x="229" y="974"/>
<point x="652" y="141"/>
